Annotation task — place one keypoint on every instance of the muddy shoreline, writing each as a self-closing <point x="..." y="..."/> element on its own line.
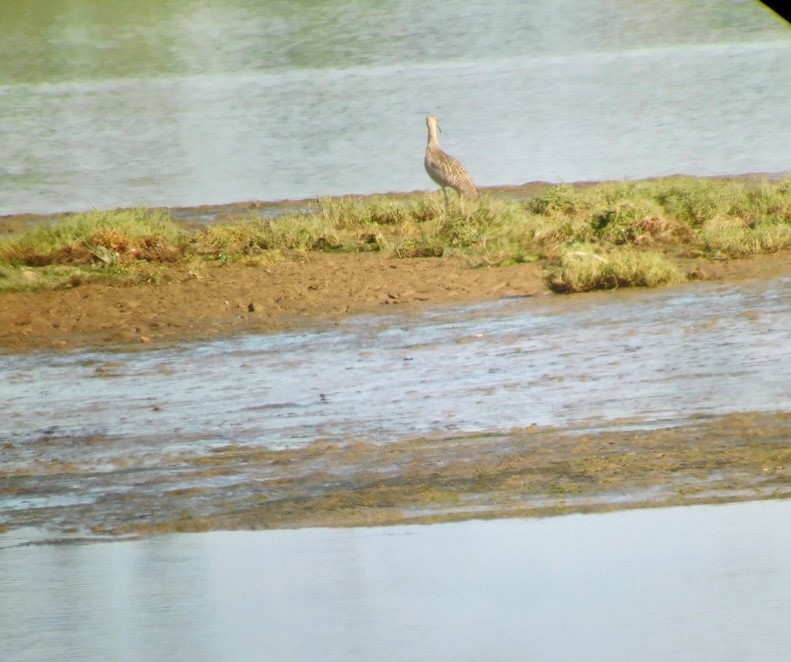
<point x="221" y="301"/>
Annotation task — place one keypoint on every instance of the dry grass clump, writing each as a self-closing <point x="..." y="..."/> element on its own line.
<point x="122" y="246"/>
<point x="561" y="200"/>
<point x="715" y="218"/>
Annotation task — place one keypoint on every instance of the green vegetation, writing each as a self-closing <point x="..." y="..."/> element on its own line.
<point x="104" y="237"/>
<point x="584" y="269"/>
<point x="123" y="245"/>
<point x="614" y="234"/>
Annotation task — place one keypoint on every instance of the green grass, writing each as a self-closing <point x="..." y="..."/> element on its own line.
<point x="582" y="269"/>
<point x="253" y="237"/>
<point x="735" y="238"/>
<point x="613" y="234"/>
<point x="118" y="246"/>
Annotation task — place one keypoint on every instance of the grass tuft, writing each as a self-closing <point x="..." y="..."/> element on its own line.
<point x="734" y="238"/>
<point x="99" y="237"/>
<point x="582" y="269"/>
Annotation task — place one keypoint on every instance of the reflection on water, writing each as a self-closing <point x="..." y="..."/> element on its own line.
<point x="708" y="584"/>
<point x="200" y="101"/>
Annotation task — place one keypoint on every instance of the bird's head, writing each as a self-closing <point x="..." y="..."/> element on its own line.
<point x="432" y="123"/>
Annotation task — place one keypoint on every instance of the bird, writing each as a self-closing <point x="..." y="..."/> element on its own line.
<point x="444" y="169"/>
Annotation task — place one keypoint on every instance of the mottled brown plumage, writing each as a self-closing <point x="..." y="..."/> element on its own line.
<point x="443" y="168"/>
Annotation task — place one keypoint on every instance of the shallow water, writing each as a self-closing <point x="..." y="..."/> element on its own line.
<point x="698" y="583"/>
<point x="197" y="101"/>
<point x="659" y="357"/>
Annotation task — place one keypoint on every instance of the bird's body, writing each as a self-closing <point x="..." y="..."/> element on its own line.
<point x="445" y="170"/>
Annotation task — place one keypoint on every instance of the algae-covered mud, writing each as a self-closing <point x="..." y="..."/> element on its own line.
<point x="100" y="489"/>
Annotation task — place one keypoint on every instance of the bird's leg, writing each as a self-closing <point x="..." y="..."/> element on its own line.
<point x="445" y="191"/>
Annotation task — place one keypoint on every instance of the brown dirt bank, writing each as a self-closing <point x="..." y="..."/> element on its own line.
<point x="225" y="300"/>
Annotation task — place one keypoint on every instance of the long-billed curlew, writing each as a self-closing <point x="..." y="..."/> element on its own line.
<point x="443" y="168"/>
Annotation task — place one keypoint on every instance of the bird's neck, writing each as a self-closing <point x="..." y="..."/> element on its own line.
<point x="432" y="137"/>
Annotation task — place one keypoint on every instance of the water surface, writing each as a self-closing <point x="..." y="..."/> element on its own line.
<point x="206" y="101"/>
<point x="702" y="584"/>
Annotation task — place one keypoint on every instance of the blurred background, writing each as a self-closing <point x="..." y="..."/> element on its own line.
<point x="184" y="102"/>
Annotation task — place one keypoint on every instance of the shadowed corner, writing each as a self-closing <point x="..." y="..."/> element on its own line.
<point x="782" y="9"/>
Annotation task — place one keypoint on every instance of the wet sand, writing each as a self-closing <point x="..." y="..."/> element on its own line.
<point x="222" y="301"/>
